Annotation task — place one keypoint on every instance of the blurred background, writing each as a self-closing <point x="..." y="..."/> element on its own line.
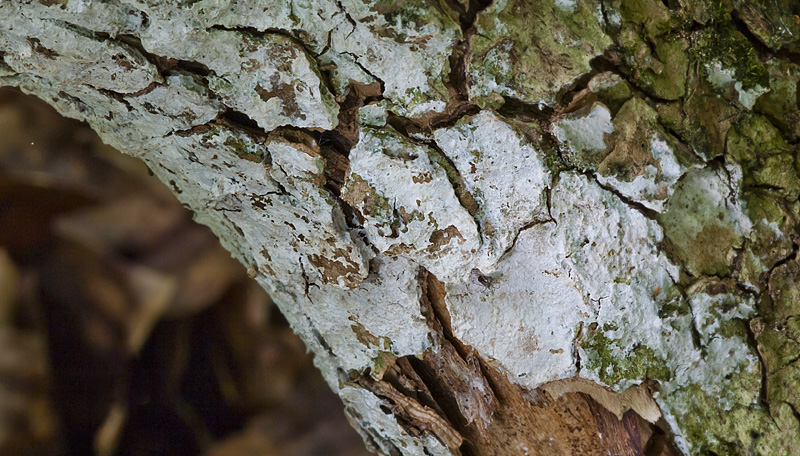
<point x="125" y="329"/>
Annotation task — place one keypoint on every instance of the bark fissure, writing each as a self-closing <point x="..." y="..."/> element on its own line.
<point x="763" y="393"/>
<point x="411" y="132"/>
<point x="765" y="52"/>
<point x="639" y="207"/>
<point x="263" y="33"/>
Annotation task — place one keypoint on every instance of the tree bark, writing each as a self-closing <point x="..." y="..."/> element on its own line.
<point x="558" y="227"/>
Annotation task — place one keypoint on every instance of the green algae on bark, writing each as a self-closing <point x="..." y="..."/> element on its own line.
<point x="529" y="51"/>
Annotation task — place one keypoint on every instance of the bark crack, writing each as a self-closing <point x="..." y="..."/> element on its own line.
<point x="764" y="52"/>
<point x="528" y="226"/>
<point x="648" y="213"/>
<point x="263" y="33"/>
<point x="763" y="393"/>
<point x="411" y="131"/>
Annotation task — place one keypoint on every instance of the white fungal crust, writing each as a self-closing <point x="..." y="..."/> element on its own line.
<point x="407" y="47"/>
<point x="506" y="176"/>
<point x="359" y="41"/>
<point x="408" y="204"/>
<point x="533" y="331"/>
<point x="36" y="44"/>
<point x="346" y="319"/>
<point x="585" y="133"/>
<point x="269" y="77"/>
<point x="587" y="266"/>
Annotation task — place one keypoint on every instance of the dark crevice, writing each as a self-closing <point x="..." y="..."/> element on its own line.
<point x="337" y="165"/>
<point x="336" y="142"/>
<point x="763" y="51"/>
<point x="326" y="47"/>
<point x="232" y="120"/>
<point x="465" y="198"/>
<point x="790" y="257"/>
<point x="612" y="62"/>
<point x="576" y="345"/>
<point x="451" y="116"/>
<point x="406" y="379"/>
<point x="526" y="112"/>
<point x="656" y="444"/>
<point x="79" y="30"/>
<point x="261" y="33"/>
<point x="543" y="116"/>
<point x="346" y="133"/>
<point x="768" y="187"/>
<point x="367" y="71"/>
<point x="445" y="400"/>
<point x="76" y="102"/>
<point x="130" y="41"/>
<point x="412" y="131"/>
<point x="526" y="227"/>
<point x="347" y="16"/>
<point x="193" y="130"/>
<point x="406" y="411"/>
<point x="431" y="369"/>
<point x="308" y="284"/>
<point x="120" y="97"/>
<point x="697" y="338"/>
<point x="549" y="201"/>
<point x="493" y="384"/>
<point x="795" y="413"/>
<point x="335" y="145"/>
<point x="164" y="65"/>
<point x="241" y="120"/>
<point x="458" y="80"/>
<point x="604" y="14"/>
<point x="145" y="20"/>
<point x="763" y="393"/>
<point x="648" y="213"/>
<point x="718" y="165"/>
<point x="457" y="7"/>
<point x="326" y="77"/>
<point x="790" y="361"/>
<point x="759" y="46"/>
<point x="468" y="19"/>
<point x="435" y="310"/>
<point x="152" y="86"/>
<point x="599" y="64"/>
<point x="167" y="65"/>
<point x="37" y="46"/>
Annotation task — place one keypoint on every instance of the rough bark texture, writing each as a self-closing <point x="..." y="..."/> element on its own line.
<point x="503" y="228"/>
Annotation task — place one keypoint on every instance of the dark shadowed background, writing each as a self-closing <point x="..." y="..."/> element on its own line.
<point x="125" y="329"/>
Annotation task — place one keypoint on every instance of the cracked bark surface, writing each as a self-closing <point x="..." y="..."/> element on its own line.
<point x="502" y="227"/>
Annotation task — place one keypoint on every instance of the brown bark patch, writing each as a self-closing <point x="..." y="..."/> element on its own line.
<point x="470" y="405"/>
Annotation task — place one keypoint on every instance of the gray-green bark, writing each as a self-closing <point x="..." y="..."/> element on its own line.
<point x="602" y="189"/>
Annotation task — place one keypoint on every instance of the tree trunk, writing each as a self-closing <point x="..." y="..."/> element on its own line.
<point x="520" y="227"/>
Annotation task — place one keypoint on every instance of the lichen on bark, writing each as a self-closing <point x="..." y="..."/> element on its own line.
<point x="464" y="207"/>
